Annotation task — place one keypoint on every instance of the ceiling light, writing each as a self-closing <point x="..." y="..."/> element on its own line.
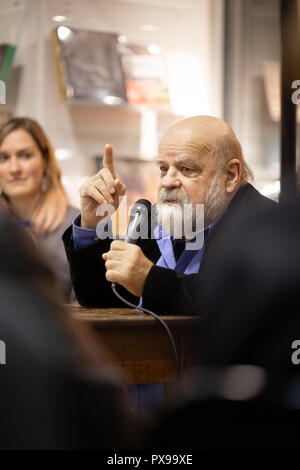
<point x="122" y="39"/>
<point x="63" y="32"/>
<point x="62" y="154"/>
<point x="154" y="49"/>
<point x="59" y="18"/>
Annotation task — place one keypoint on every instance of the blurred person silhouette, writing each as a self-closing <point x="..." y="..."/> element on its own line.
<point x="246" y="391"/>
<point x="31" y="190"/>
<point x="237" y="407"/>
<point x="58" y="389"/>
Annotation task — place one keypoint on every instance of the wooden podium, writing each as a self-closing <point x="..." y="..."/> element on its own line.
<point x="139" y="343"/>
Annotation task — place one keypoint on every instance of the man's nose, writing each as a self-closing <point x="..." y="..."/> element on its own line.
<point x="171" y="180"/>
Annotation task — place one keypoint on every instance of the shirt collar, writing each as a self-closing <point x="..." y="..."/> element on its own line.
<point x="160" y="233"/>
<point x="24" y="223"/>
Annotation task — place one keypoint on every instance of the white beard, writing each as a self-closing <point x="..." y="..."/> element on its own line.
<point x="177" y="219"/>
<point x="182" y="221"/>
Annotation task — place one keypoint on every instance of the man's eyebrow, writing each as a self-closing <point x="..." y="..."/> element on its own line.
<point x="190" y="162"/>
<point x="181" y="161"/>
<point x="159" y="160"/>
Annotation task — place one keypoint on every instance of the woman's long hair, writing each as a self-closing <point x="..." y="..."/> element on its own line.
<point x="52" y="202"/>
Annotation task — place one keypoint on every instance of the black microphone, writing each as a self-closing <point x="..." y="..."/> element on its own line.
<point x="139" y="215"/>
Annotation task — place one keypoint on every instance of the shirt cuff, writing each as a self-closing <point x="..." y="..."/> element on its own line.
<point x="82" y="237"/>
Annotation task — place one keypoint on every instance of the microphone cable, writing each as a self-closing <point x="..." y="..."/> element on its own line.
<point x="149" y="312"/>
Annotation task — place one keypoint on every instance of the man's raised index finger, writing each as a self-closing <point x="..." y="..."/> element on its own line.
<point x="108" y="159"/>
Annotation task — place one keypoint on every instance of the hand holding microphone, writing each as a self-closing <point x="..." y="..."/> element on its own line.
<point x="125" y="263"/>
<point x="103" y="188"/>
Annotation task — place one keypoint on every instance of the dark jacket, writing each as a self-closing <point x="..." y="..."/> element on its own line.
<point x="255" y="297"/>
<point x="166" y="291"/>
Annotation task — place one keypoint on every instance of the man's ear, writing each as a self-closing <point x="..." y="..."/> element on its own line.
<point x="233" y="171"/>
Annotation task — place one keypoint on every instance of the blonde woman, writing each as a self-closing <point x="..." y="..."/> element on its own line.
<point x="31" y="190"/>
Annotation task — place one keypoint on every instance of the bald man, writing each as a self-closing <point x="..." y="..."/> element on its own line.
<point x="200" y="162"/>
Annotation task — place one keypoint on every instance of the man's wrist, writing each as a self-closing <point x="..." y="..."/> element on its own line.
<point x="85" y="224"/>
<point x="148" y="267"/>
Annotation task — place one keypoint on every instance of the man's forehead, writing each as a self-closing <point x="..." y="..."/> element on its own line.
<point x="185" y="141"/>
<point x="189" y="150"/>
<point x="201" y="134"/>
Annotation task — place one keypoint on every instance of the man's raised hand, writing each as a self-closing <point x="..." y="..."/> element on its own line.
<point x="103" y="188"/>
